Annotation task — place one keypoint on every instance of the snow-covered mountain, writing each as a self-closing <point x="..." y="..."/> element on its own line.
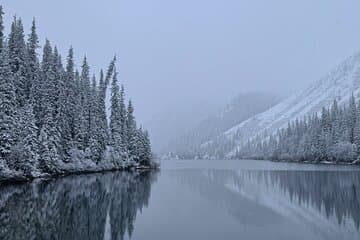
<point x="340" y="84"/>
<point x="240" y="108"/>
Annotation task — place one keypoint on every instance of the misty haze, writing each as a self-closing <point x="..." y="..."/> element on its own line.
<point x="179" y="119"/>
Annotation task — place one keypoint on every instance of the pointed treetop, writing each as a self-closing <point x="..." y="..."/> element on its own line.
<point x="93" y="82"/>
<point x="47" y="56"/>
<point x="85" y="64"/>
<point x="70" y="61"/>
<point x="17" y="30"/>
<point x="110" y="70"/>
<point x="114" y="79"/>
<point x="33" y="40"/>
<point x="1" y="28"/>
<point x="101" y="81"/>
<point x="85" y="70"/>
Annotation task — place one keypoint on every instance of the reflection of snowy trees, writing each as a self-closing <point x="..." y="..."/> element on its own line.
<point x="79" y="207"/>
<point x="332" y="194"/>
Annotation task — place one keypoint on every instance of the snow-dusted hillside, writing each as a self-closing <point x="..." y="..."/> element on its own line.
<point x="339" y="83"/>
<point x="242" y="107"/>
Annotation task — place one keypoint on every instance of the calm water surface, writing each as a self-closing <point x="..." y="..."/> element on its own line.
<point x="189" y="200"/>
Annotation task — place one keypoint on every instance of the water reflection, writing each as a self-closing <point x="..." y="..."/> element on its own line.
<point x="186" y="204"/>
<point x="325" y="202"/>
<point x="99" y="206"/>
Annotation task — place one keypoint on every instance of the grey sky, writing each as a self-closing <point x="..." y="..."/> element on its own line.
<point x="196" y="50"/>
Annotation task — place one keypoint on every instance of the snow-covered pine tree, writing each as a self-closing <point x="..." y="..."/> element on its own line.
<point x="66" y="104"/>
<point x="7" y="106"/>
<point x="49" y="132"/>
<point x="145" y="149"/>
<point x="1" y="28"/>
<point x="49" y="145"/>
<point x="18" y="61"/>
<point x="79" y="120"/>
<point x="352" y="117"/>
<point x="123" y="131"/>
<point x="335" y="121"/>
<point x="110" y="71"/>
<point x="32" y="59"/>
<point x="95" y="130"/>
<point x="70" y="96"/>
<point x="48" y="85"/>
<point x="116" y="133"/>
<point x="101" y="118"/>
<point x="25" y="153"/>
<point x="85" y="94"/>
<point x="59" y="83"/>
<point x="93" y="106"/>
<point x="131" y="134"/>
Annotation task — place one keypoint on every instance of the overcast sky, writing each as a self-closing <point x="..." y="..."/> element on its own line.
<point x="200" y="50"/>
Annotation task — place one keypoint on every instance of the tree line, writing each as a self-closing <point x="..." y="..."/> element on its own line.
<point x="333" y="136"/>
<point x="53" y="117"/>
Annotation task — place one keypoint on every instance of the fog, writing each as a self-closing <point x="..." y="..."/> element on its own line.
<point x="181" y="52"/>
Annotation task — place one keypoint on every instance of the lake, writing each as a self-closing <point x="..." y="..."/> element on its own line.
<point x="189" y="200"/>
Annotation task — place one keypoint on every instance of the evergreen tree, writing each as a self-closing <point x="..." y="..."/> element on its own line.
<point x="102" y="119"/>
<point x="85" y="94"/>
<point x="123" y="127"/>
<point x="145" y="148"/>
<point x="66" y="121"/>
<point x="116" y="122"/>
<point x="7" y="106"/>
<point x="95" y="130"/>
<point x="49" y="142"/>
<point x="79" y="121"/>
<point x="59" y="85"/>
<point x="32" y="60"/>
<point x="18" y="61"/>
<point x="69" y="96"/>
<point x="1" y="28"/>
<point x="110" y="71"/>
<point x="352" y="118"/>
<point x="25" y="153"/>
<point x="131" y="135"/>
<point x="49" y="88"/>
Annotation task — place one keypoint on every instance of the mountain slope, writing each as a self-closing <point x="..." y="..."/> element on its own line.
<point x="183" y="115"/>
<point x="239" y="109"/>
<point x="339" y="84"/>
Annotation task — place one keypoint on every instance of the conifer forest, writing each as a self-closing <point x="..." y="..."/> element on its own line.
<point x="54" y="118"/>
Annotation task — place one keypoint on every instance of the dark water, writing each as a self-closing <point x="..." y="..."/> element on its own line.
<point x="189" y="200"/>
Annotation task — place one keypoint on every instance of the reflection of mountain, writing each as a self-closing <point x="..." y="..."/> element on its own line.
<point x="100" y="206"/>
<point x="244" y="210"/>
<point x="327" y="203"/>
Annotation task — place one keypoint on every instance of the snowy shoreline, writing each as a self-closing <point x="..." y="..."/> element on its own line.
<point x="10" y="177"/>
<point x="353" y="163"/>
